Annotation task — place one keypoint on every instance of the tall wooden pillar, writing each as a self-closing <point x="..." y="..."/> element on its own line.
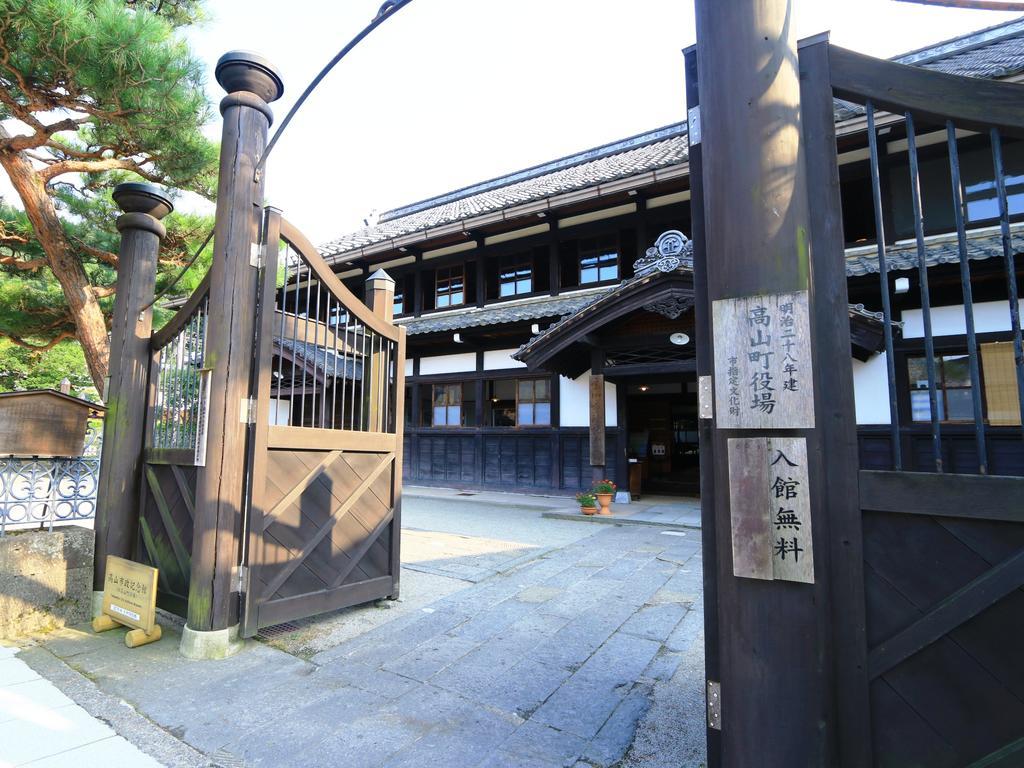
<point x="380" y="298"/>
<point x="117" y="511"/>
<point x="251" y="83"/>
<point x="598" y="431"/>
<point x="775" y="656"/>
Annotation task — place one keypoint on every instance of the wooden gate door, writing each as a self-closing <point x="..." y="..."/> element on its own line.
<point x="917" y="658"/>
<point x="325" y="470"/>
<point x="174" y="447"/>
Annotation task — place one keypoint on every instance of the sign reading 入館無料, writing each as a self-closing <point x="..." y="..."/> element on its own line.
<point x="129" y="593"/>
<point x="770" y="509"/>
<point x="763" y="362"/>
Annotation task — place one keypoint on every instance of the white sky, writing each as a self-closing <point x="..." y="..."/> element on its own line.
<point x="451" y="92"/>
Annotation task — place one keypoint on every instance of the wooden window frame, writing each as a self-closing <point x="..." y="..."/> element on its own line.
<point x="597" y="253"/>
<point x="534" y="401"/>
<point x="941" y="388"/>
<point x="443" y="277"/>
<point x="515" y="263"/>
<point x="446" y="385"/>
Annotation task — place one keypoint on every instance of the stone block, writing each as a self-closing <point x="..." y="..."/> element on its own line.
<point x="45" y="580"/>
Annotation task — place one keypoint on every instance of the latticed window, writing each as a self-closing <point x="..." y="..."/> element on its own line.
<point x="533" y="407"/>
<point x="450" y="288"/>
<point x="952" y="384"/>
<point x="599" y="260"/>
<point x="515" y="277"/>
<point x="447" y="405"/>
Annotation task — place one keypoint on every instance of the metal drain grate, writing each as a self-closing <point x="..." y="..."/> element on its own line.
<point x="276" y="630"/>
<point x="466" y="493"/>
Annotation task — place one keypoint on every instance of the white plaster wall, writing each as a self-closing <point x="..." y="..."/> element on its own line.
<point x="279" y="411"/>
<point x="574" y="402"/>
<point x="408" y="366"/>
<point x="463" y="361"/>
<point x="871" y="390"/>
<point x="949" y="321"/>
<point x="496" y="359"/>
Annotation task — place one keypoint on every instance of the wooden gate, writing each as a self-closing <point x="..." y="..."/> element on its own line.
<point x="174" y="447"/>
<point x="922" y="586"/>
<point x="325" y="466"/>
<point x="943" y="553"/>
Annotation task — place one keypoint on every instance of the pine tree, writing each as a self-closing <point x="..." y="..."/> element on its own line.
<point x="92" y="92"/>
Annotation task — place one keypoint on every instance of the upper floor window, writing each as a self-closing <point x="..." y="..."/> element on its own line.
<point x="399" y="305"/>
<point x="515" y="276"/>
<point x="450" y="287"/>
<point x="599" y="259"/>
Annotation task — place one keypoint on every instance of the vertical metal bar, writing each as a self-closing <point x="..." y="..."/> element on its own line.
<point x="1011" y="269"/>
<point x="280" y="335"/>
<point x="347" y="366"/>
<point x="305" y="348"/>
<point x="362" y="384"/>
<point x="926" y="306"/>
<point x="883" y="278"/>
<point x="295" y="336"/>
<point x="328" y="333"/>
<point x="316" y="322"/>
<point x="334" y="372"/>
<point x="176" y="388"/>
<point x="965" y="284"/>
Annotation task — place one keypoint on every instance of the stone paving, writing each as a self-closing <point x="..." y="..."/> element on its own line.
<point x="551" y="660"/>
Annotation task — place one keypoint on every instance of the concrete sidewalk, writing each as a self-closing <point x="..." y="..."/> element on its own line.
<point x="40" y="726"/>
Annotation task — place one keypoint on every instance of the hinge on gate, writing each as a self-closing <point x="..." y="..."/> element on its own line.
<point x="240" y="575"/>
<point x="705" y="399"/>
<point x="256" y="255"/>
<point x="247" y="410"/>
<point x="714" y="705"/>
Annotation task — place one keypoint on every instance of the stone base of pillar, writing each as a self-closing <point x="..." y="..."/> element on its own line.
<point x="217" y="644"/>
<point x="97" y="603"/>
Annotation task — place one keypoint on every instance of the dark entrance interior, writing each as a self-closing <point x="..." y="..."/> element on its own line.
<point x="661" y="425"/>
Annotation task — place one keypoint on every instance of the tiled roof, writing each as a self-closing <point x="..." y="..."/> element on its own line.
<point x="994" y="52"/>
<point x="645" y="152"/>
<point x="326" y="361"/>
<point x="939" y="249"/>
<point x="496" y="314"/>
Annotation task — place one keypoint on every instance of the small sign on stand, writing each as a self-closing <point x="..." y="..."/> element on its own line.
<point x="129" y="600"/>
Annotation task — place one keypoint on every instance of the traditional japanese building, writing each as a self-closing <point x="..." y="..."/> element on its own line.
<point x="549" y="311"/>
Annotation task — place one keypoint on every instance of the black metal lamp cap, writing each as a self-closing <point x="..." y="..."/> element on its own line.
<point x="248" y="71"/>
<point x="139" y="197"/>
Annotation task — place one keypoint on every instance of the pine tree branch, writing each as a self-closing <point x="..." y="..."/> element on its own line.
<point x="24" y="265"/>
<point x="102" y="291"/>
<point x="38" y="347"/>
<point x="97" y="253"/>
<point x="93" y="166"/>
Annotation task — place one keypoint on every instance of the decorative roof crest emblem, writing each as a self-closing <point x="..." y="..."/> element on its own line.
<point x="671" y="251"/>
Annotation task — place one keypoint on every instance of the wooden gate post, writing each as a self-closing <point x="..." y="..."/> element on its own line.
<point x="117" y="498"/>
<point x="780" y="474"/>
<point x="211" y="628"/>
<point x="380" y="298"/>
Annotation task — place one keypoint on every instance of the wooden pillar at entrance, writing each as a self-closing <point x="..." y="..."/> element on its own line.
<point x="597" y="425"/>
<point x="775" y="647"/>
<point x="380" y="298"/>
<point x="117" y="510"/>
<point x="251" y="83"/>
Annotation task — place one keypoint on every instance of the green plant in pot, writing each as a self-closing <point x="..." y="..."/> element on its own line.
<point x="604" y="490"/>
<point x="587" y="502"/>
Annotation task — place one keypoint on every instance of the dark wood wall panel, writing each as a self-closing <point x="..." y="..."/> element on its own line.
<point x="959" y="454"/>
<point x="165" y="529"/>
<point x="963" y="694"/>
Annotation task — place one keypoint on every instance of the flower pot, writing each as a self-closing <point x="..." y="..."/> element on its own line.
<point x="588" y="510"/>
<point x="605" y="500"/>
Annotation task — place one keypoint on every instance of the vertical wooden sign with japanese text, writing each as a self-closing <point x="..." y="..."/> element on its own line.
<point x="771" y="510"/>
<point x="763" y="362"/>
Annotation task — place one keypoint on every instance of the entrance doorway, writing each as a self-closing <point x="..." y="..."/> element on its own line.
<point x="661" y="427"/>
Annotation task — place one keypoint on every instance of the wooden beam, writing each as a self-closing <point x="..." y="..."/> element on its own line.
<point x="979" y="497"/>
<point x="963" y="605"/>
<point x="597" y="425"/>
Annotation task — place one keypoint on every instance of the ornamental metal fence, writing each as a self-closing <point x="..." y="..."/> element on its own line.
<point x="43" y="492"/>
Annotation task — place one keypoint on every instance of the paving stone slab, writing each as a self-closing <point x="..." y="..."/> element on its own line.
<point x="430" y="657"/>
<point x="22" y="699"/>
<point x="615" y="736"/>
<point x="113" y="751"/>
<point x="654" y="622"/>
<point x="581" y="706"/>
<point x="536" y="740"/>
<point x="49" y="733"/>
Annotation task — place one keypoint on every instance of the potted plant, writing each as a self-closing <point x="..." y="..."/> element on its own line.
<point x="604" y="490"/>
<point x="587" y="502"/>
